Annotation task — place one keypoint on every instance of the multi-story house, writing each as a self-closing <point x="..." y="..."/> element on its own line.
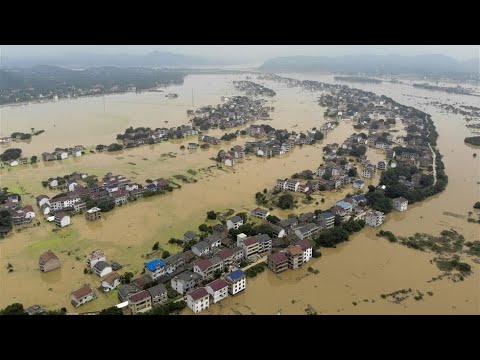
<point x="400" y="204"/>
<point x="198" y="300"/>
<point x="278" y="262"/>
<point x="260" y="213"/>
<point x="186" y="281"/>
<point x="374" y="218"/>
<point x="158" y="293"/>
<point x="82" y="296"/>
<point x="307" y="230"/>
<point x="218" y="289"/>
<point x="95" y="256"/>
<point x="140" y="302"/>
<point x="234" y="222"/>
<point x="237" y="282"/>
<point x="326" y="220"/>
<point x="307" y="249"/>
<point x="48" y="261"/>
<point x="155" y="269"/>
<point x="295" y="257"/>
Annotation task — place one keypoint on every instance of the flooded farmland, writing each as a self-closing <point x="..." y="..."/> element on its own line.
<point x="361" y="269"/>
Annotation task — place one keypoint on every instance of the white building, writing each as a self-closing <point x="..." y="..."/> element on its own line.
<point x="61" y="219"/>
<point x="102" y="269"/>
<point x="218" y="289"/>
<point x="306" y="248"/>
<point x="400" y="204"/>
<point x="237" y="281"/>
<point x="374" y="218"/>
<point x="95" y="256"/>
<point x="198" y="300"/>
<point x="112" y="281"/>
<point x="234" y="222"/>
<point x="82" y="296"/>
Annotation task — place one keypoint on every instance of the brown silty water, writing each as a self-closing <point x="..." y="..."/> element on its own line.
<point x="363" y="268"/>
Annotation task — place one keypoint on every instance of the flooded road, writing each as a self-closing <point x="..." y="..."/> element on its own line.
<point x="363" y="268"/>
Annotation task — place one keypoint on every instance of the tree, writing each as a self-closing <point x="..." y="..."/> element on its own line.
<point x="352" y="172"/>
<point x="396" y="190"/>
<point x="332" y="237"/>
<point x="203" y="228"/>
<point x="338" y="220"/>
<point x="371" y="188"/>
<point x="165" y="254"/>
<point x="106" y="205"/>
<point x="379" y="202"/>
<point x="264" y="229"/>
<point x="211" y="215"/>
<point x="327" y="176"/>
<point x="111" y="311"/>
<point x="318" y="136"/>
<point x="243" y="132"/>
<point x="273" y="219"/>
<point x="477" y="205"/>
<point x="265" y="191"/>
<point x="286" y="201"/>
<point x="126" y="278"/>
<point x="11" y="154"/>
<point x="14" y="309"/>
<point x="33" y="159"/>
<point x="155" y="246"/>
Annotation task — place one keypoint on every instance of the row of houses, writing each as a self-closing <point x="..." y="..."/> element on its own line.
<point x="63" y="153"/>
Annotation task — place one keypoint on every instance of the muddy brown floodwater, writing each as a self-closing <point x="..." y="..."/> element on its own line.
<point x="363" y="268"/>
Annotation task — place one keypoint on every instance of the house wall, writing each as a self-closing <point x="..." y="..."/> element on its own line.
<point x="142" y="306"/>
<point x="237" y="286"/>
<point x="199" y="305"/>
<point x="218" y="295"/>
<point x="50" y="265"/>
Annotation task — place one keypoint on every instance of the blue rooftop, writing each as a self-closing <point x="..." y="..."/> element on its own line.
<point x="151" y="186"/>
<point x="344" y="204"/>
<point x="154" y="264"/>
<point x="235" y="275"/>
<point x="358" y="181"/>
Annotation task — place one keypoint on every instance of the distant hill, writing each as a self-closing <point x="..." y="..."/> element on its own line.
<point x="374" y="64"/>
<point x="83" y="60"/>
<point x="52" y="78"/>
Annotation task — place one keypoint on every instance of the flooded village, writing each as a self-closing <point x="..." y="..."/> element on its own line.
<point x="324" y="151"/>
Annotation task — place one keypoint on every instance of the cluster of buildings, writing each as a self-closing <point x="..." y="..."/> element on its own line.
<point x="140" y="136"/>
<point x="63" y="153"/>
<point x="19" y="214"/>
<point x="116" y="189"/>
<point x="253" y="89"/>
<point x="97" y="263"/>
<point x="236" y="111"/>
<point x="294" y="257"/>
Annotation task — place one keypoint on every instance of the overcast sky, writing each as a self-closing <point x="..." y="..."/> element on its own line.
<point x="245" y="52"/>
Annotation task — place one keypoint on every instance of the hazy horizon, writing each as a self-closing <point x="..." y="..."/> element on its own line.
<point x="242" y="53"/>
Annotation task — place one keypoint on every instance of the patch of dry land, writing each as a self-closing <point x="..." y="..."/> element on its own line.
<point x="358" y="271"/>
